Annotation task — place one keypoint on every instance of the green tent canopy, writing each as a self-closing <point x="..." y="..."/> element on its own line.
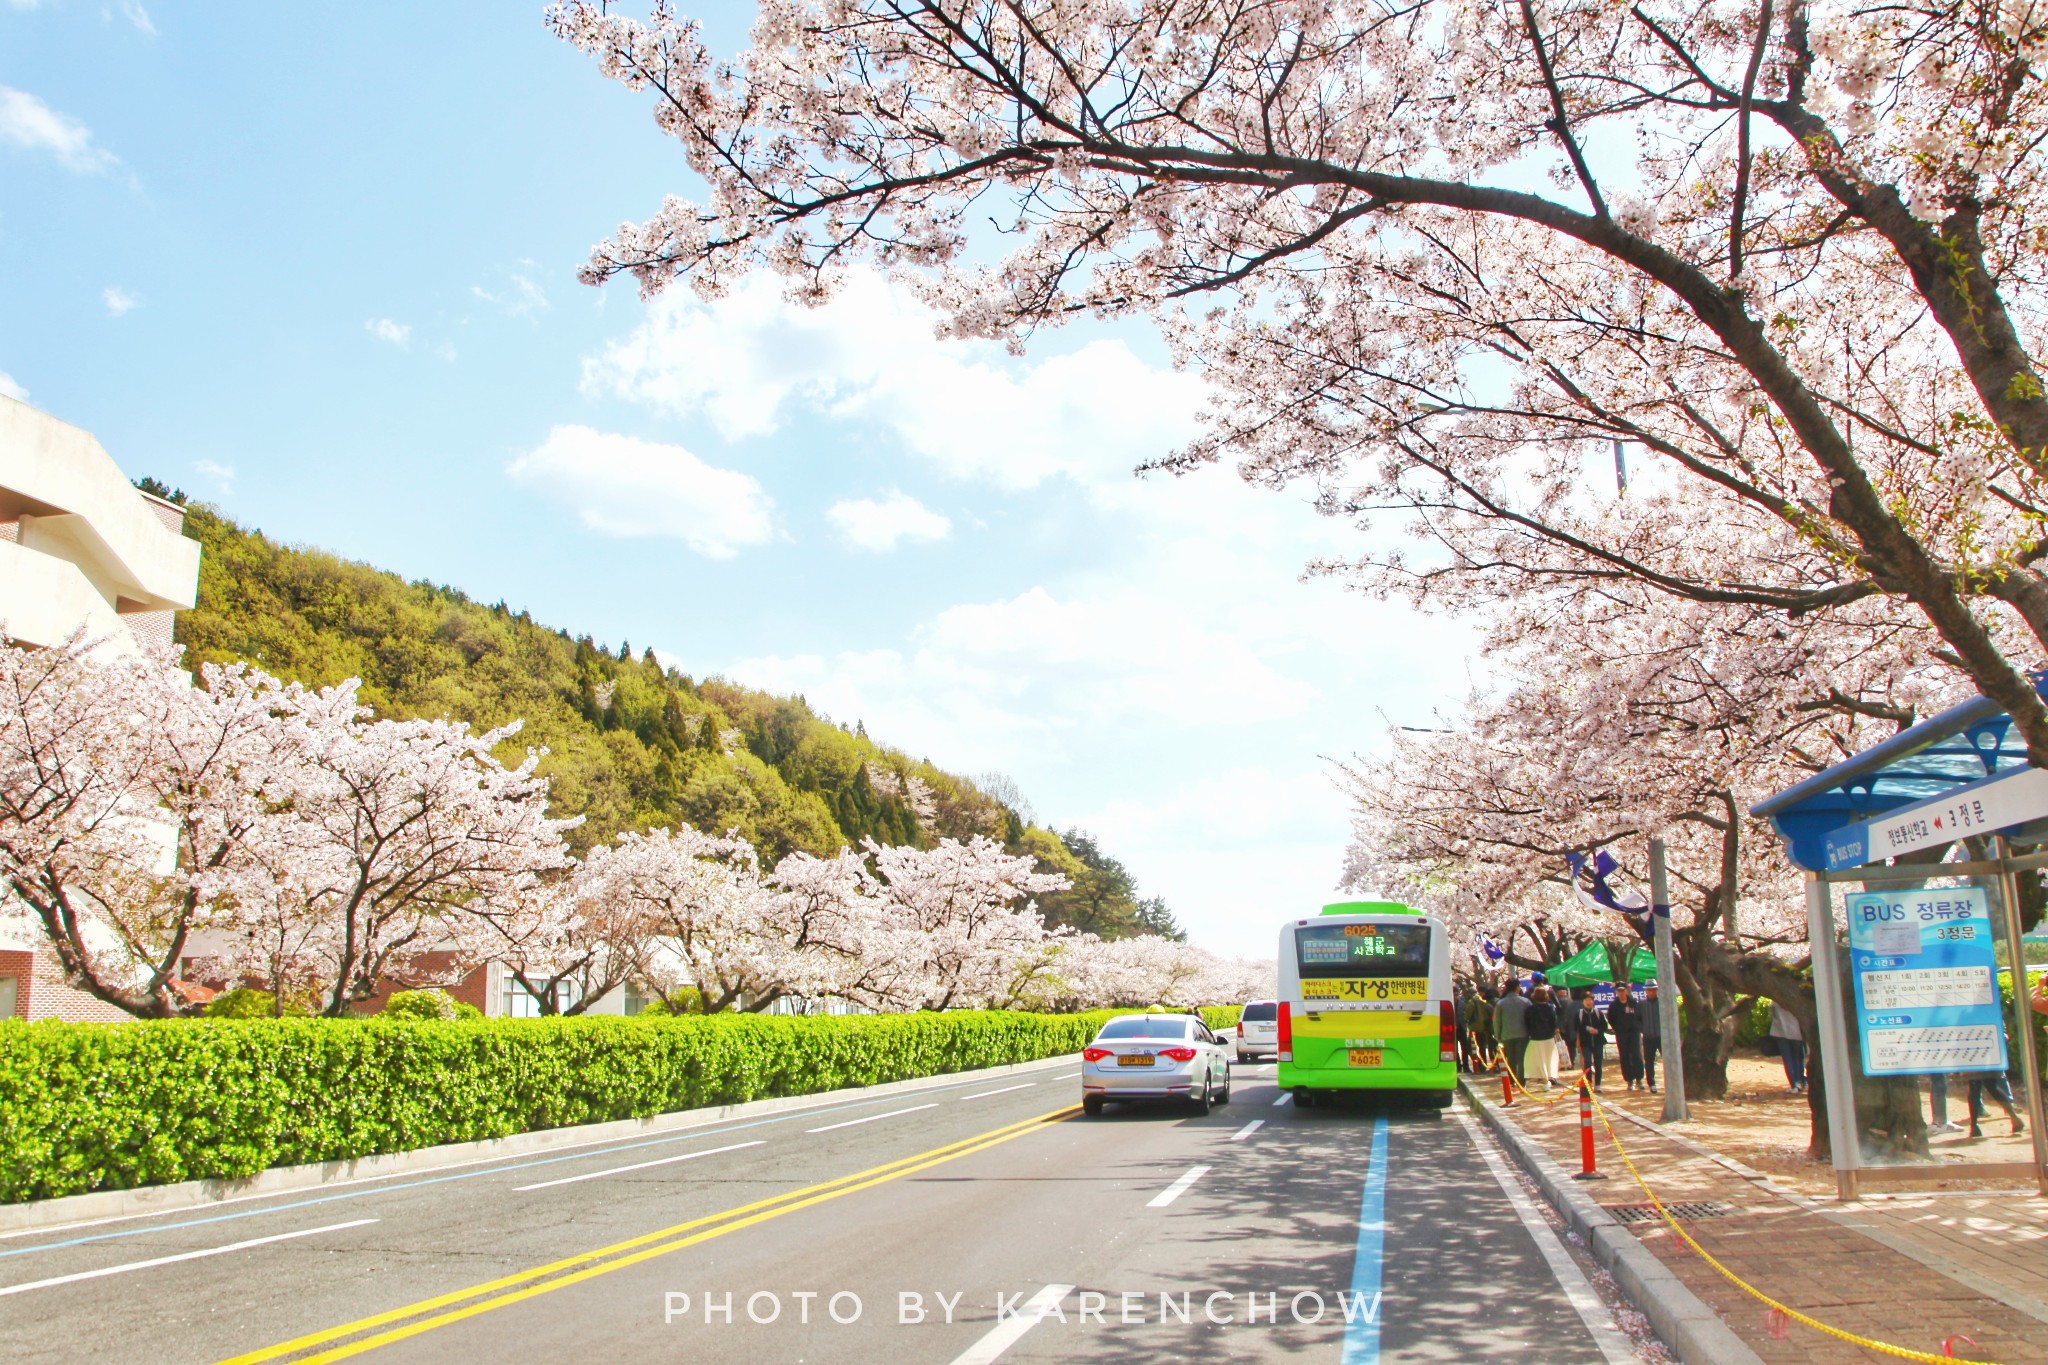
<point x="1588" y="967"/>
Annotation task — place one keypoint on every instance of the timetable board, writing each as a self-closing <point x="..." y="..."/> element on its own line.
<point x="1926" y="978"/>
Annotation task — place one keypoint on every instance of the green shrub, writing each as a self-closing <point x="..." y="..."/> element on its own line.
<point x="113" y="1106"/>
<point x="432" y="1003"/>
<point x="246" y="1002"/>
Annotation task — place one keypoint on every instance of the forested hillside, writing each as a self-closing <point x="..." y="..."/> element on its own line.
<point x="630" y="744"/>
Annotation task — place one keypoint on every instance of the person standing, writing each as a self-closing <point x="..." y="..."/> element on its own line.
<point x="1539" y="1059"/>
<point x="1653" y="1035"/>
<point x="1480" y="1026"/>
<point x="1508" y="1027"/>
<point x="1791" y="1046"/>
<point x="1625" y="1017"/>
<point x="1998" y="1088"/>
<point x="1592" y="1039"/>
<point x="1567" y="1024"/>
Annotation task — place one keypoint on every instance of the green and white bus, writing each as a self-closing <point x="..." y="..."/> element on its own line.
<point x="1365" y="1004"/>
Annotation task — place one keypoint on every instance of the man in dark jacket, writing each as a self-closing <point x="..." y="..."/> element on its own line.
<point x="1653" y="1036"/>
<point x="1508" y="1027"/>
<point x="1625" y="1017"/>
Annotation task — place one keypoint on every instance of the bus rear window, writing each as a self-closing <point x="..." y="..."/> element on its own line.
<point x="1366" y="950"/>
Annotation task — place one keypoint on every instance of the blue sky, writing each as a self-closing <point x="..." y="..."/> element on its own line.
<point x="316" y="264"/>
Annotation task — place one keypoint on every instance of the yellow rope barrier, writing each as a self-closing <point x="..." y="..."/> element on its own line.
<point x="1571" y="1092"/>
<point x="1793" y="1314"/>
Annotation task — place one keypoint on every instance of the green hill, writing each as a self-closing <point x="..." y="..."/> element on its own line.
<point x="630" y="744"/>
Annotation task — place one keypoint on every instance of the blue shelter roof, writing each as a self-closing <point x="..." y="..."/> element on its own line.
<point x="1960" y="747"/>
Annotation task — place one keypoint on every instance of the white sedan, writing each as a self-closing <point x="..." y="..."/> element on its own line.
<point x="1152" y="1057"/>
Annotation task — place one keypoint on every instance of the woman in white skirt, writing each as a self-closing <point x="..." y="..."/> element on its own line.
<point x="1539" y="1062"/>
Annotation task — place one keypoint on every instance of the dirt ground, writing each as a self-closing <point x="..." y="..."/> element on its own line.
<point x="1762" y="1125"/>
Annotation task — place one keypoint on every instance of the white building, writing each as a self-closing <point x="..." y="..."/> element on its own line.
<point x="79" y="546"/>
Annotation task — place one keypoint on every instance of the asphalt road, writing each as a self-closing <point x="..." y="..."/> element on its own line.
<point x="976" y="1222"/>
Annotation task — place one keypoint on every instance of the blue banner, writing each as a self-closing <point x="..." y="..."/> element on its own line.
<point x="1926" y="982"/>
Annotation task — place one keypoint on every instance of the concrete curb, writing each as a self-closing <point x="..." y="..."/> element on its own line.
<point x="46" y="1214"/>
<point x="1693" y="1331"/>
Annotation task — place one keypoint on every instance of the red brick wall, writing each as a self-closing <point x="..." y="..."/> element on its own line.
<point x="41" y="993"/>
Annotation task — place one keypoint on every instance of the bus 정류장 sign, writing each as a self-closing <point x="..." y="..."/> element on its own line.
<point x="1926" y="981"/>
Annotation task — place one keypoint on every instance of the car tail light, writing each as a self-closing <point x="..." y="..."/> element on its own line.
<point x="1178" y="1054"/>
<point x="1284" y="1047"/>
<point x="1094" y="1054"/>
<point x="1446" y="1033"/>
<point x="1240" y="1030"/>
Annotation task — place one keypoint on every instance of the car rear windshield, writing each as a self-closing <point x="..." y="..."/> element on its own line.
<point x="1261" y="1012"/>
<point x="1143" y="1026"/>
<point x="1366" y="950"/>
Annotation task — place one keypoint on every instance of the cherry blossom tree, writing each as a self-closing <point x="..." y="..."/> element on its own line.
<point x="403" y="851"/>
<point x="127" y="800"/>
<point x="1436" y="256"/>
<point x="962" y="914"/>
<point x="1629" y="718"/>
<point x="712" y="941"/>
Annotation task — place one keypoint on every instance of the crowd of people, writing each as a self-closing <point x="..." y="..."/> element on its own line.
<point x="1538" y="1031"/>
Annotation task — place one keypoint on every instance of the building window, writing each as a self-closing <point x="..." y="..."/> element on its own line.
<point x="516" y="1002"/>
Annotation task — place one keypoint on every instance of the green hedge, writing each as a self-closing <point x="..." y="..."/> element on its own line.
<point x="113" y="1106"/>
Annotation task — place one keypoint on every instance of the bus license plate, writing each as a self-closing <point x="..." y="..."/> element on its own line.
<point x="1364" y="988"/>
<point x="1135" y="1059"/>
<point x="1365" y="1056"/>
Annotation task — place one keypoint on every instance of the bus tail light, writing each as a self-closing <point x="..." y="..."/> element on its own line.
<point x="1284" y="1046"/>
<point x="1178" y="1054"/>
<point x="1094" y="1054"/>
<point x="1446" y="1033"/>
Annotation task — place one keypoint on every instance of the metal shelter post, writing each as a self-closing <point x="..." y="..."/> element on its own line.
<point x="1837" y="1075"/>
<point x="2022" y="1009"/>
<point x="1673" y="1045"/>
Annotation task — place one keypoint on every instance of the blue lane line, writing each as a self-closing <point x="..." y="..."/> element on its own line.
<point x="472" y="1175"/>
<point x="1362" y="1326"/>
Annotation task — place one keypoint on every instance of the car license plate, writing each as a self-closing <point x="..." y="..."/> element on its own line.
<point x="1135" y="1059"/>
<point x="1365" y="1056"/>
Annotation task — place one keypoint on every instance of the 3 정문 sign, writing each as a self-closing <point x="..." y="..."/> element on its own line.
<point x="1926" y="981"/>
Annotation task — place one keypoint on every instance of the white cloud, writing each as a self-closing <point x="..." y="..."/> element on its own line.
<point x="11" y="386"/>
<point x="399" y="334"/>
<point x="119" y="301"/>
<point x="134" y="13"/>
<point x="623" y="486"/>
<point x="522" y="297"/>
<point x="866" y="524"/>
<point x="745" y="360"/>
<point x="28" y="123"/>
<point x="222" y="476"/>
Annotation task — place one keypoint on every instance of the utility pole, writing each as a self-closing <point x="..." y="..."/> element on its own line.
<point x="1672" y="1046"/>
<point x="1620" y="471"/>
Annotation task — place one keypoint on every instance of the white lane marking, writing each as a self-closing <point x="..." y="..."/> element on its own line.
<point x="1577" y="1289"/>
<point x="636" y="1166"/>
<point x="1177" y="1188"/>
<point x="181" y="1256"/>
<point x="1010" y="1330"/>
<point x="1004" y="1091"/>
<point x="1066" y="1076"/>
<point x="871" y="1118"/>
<point x="1286" y="1097"/>
<point x="1241" y="1134"/>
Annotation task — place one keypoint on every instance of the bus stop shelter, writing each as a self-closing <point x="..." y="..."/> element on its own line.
<point x="1913" y="852"/>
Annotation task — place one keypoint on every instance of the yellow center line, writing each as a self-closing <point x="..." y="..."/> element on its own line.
<point x="643" y="1247"/>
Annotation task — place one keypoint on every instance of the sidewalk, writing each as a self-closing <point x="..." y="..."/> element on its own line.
<point x="1908" y="1270"/>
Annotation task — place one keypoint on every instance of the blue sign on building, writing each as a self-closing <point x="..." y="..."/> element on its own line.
<point x="1926" y="981"/>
